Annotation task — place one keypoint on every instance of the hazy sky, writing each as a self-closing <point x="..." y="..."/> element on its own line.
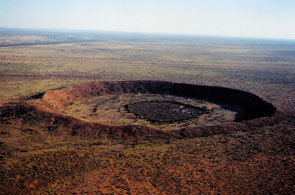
<point x="244" y="18"/>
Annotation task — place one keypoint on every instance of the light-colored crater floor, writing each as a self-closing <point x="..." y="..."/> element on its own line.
<point x="111" y="109"/>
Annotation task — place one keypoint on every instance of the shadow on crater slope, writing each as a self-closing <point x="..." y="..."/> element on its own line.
<point x="48" y="108"/>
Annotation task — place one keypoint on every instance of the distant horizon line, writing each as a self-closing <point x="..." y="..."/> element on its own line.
<point x="150" y="33"/>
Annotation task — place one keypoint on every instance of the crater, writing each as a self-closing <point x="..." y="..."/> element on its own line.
<point x="118" y="109"/>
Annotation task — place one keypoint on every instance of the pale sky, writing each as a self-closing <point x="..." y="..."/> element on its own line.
<point x="238" y="18"/>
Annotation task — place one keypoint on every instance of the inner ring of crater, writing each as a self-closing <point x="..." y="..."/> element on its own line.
<point x="164" y="111"/>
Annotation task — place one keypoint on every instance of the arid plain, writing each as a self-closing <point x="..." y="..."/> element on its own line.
<point x="69" y="121"/>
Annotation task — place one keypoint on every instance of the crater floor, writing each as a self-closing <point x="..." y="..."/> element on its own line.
<point x="115" y="109"/>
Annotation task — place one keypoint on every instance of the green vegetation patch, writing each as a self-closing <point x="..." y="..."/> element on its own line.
<point x="165" y="111"/>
